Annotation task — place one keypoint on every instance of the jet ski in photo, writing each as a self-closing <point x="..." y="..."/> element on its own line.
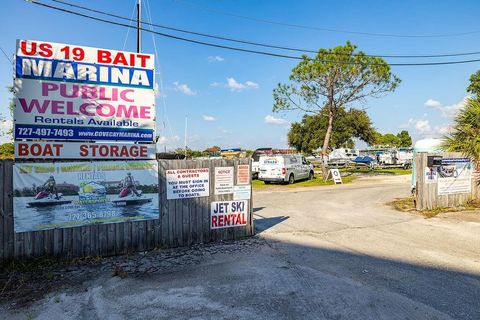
<point x="45" y="199"/>
<point x="127" y="197"/>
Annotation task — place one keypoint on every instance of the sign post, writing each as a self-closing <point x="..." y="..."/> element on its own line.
<point x="335" y="174"/>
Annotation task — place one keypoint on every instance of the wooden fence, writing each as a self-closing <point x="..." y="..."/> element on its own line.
<point x="427" y="193"/>
<point x="181" y="222"/>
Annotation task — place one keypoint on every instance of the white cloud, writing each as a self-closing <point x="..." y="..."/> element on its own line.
<point x="422" y="126"/>
<point x="236" y="86"/>
<point x="449" y="111"/>
<point x="452" y="110"/>
<point x="432" y="103"/>
<point x="5" y="126"/>
<point x="215" y="59"/>
<point x="276" y="121"/>
<point x="442" y="130"/>
<point x="251" y="84"/>
<point x="208" y="118"/>
<point x="168" y="140"/>
<point x="183" y="88"/>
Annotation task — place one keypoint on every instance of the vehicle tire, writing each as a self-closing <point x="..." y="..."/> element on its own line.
<point x="266" y="182"/>
<point x="311" y="175"/>
<point x="291" y="179"/>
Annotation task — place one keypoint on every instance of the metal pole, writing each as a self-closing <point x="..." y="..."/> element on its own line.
<point x="139" y="18"/>
<point x="186" y="122"/>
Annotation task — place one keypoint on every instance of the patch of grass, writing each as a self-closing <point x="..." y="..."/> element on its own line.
<point x="318" y="181"/>
<point x="392" y="171"/>
<point x="408" y="205"/>
<point x="50" y="276"/>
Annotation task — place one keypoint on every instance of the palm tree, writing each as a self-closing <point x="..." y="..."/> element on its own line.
<point x="465" y="134"/>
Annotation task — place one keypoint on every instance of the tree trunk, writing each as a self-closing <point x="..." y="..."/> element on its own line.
<point x="328" y="134"/>
<point x="326" y="140"/>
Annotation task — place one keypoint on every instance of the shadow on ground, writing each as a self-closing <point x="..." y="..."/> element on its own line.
<point x="261" y="279"/>
<point x="263" y="223"/>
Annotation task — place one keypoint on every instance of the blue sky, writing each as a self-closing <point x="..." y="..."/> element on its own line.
<point x="227" y="95"/>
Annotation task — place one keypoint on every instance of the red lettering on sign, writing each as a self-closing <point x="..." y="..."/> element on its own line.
<point x="39" y="150"/>
<point x="45" y="50"/>
<point x="22" y="149"/>
<point x="143" y="59"/>
<point x="83" y="150"/>
<point x="120" y="59"/>
<point x="104" y="56"/>
<point x="33" y="48"/>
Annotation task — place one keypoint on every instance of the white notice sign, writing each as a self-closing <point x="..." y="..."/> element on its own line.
<point x="430" y="175"/>
<point x="188" y="183"/>
<point x="224" y="180"/>
<point x="242" y="192"/>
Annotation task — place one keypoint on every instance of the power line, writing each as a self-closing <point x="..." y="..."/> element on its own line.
<point x="188" y="31"/>
<point x="299" y="26"/>
<point x="272" y="46"/>
<point x="247" y="50"/>
<point x="6" y="56"/>
<point x="165" y="34"/>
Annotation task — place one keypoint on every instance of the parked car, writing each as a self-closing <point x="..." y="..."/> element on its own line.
<point x="284" y="168"/>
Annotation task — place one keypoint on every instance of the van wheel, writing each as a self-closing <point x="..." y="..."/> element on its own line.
<point x="291" y="179"/>
<point x="266" y="182"/>
<point x="311" y="176"/>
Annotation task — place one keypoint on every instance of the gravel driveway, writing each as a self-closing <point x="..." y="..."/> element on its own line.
<point x="335" y="252"/>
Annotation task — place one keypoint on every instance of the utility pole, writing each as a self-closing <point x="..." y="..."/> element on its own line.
<point x="139" y="25"/>
<point x="186" y="137"/>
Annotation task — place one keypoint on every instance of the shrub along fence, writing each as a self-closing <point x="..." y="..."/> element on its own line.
<point x="428" y="195"/>
<point x="181" y="222"/>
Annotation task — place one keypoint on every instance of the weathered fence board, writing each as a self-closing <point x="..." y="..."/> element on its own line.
<point x="180" y="222"/>
<point x="427" y="193"/>
<point x="8" y="233"/>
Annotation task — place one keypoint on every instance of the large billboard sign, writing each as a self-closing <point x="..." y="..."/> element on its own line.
<point x="65" y="92"/>
<point x="70" y="194"/>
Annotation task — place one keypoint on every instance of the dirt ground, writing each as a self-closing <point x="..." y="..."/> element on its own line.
<point x="334" y="252"/>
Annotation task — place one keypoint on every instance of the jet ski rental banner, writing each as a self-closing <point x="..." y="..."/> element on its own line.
<point x="61" y="195"/>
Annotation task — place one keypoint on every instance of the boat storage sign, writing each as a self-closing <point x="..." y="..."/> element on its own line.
<point x="68" y="92"/>
<point x="70" y="194"/>
<point x="80" y="150"/>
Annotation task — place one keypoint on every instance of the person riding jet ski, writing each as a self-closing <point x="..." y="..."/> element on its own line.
<point x="129" y="184"/>
<point x="51" y="186"/>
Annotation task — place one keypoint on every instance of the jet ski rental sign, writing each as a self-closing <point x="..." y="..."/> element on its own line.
<point x="68" y="92"/>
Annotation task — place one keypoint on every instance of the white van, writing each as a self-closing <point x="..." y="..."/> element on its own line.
<point x="284" y="168"/>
